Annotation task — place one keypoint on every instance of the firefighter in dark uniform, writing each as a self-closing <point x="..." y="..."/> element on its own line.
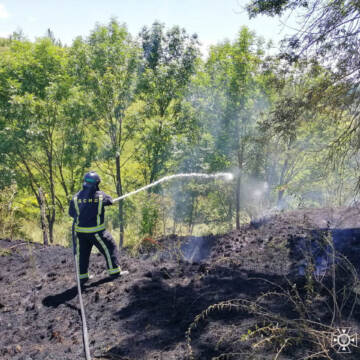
<point x="87" y="208"/>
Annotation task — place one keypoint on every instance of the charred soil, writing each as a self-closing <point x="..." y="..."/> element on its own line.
<point x="254" y="274"/>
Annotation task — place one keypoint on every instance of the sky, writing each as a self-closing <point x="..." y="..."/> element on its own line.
<point x="212" y="20"/>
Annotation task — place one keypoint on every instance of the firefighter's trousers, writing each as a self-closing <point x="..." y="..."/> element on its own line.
<point x="105" y="244"/>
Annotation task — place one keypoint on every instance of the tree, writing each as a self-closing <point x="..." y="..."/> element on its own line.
<point x="307" y="115"/>
<point x="38" y="101"/>
<point x="168" y="64"/>
<point x="234" y="71"/>
<point x="106" y="65"/>
<point x="328" y="27"/>
<point x="330" y="33"/>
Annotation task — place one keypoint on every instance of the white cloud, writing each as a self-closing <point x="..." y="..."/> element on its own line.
<point x="3" y="12"/>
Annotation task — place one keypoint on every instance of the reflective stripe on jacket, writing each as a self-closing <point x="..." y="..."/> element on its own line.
<point x="88" y="207"/>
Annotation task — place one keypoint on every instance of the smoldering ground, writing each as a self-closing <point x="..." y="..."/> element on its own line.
<point x="147" y="314"/>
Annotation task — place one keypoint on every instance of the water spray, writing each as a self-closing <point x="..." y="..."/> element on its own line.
<point x="225" y="175"/>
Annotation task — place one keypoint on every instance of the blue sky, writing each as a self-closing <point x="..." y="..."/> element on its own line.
<point x="212" y="20"/>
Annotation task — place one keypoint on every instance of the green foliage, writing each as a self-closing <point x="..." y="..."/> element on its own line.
<point x="5" y="252"/>
<point x="169" y="59"/>
<point x="274" y="7"/>
<point x="106" y="67"/>
<point x="149" y="219"/>
<point x="138" y="109"/>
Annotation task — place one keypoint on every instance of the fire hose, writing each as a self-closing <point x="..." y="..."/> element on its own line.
<point x="82" y="310"/>
<point x="225" y="175"/>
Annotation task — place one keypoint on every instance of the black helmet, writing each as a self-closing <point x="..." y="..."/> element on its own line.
<point x="91" y="179"/>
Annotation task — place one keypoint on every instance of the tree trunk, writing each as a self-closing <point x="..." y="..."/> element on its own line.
<point x="119" y="191"/>
<point x="164" y="216"/>
<point x="238" y="185"/>
<point x="280" y="196"/>
<point x="43" y="217"/>
<point x="191" y="218"/>
<point x="230" y="216"/>
<point x="156" y="159"/>
<point x="62" y="181"/>
<point x="51" y="216"/>
<point x="51" y="222"/>
<point x="284" y="169"/>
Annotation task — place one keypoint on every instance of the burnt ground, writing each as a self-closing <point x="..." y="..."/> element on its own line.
<point x="146" y="314"/>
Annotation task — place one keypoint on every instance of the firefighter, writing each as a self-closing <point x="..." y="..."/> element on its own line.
<point x="87" y="208"/>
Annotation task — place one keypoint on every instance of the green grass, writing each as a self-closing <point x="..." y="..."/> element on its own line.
<point x="5" y="252"/>
<point x="33" y="233"/>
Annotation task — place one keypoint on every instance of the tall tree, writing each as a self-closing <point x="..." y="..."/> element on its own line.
<point x="233" y="71"/>
<point x="330" y="33"/>
<point x="168" y="64"/>
<point x="330" y="28"/>
<point x="106" y="64"/>
<point x="36" y="89"/>
<point x="306" y="116"/>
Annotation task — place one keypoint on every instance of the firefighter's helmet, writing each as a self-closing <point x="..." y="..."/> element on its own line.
<point x="91" y="179"/>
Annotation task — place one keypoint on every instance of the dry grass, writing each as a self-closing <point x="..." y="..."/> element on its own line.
<point x="33" y="233"/>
